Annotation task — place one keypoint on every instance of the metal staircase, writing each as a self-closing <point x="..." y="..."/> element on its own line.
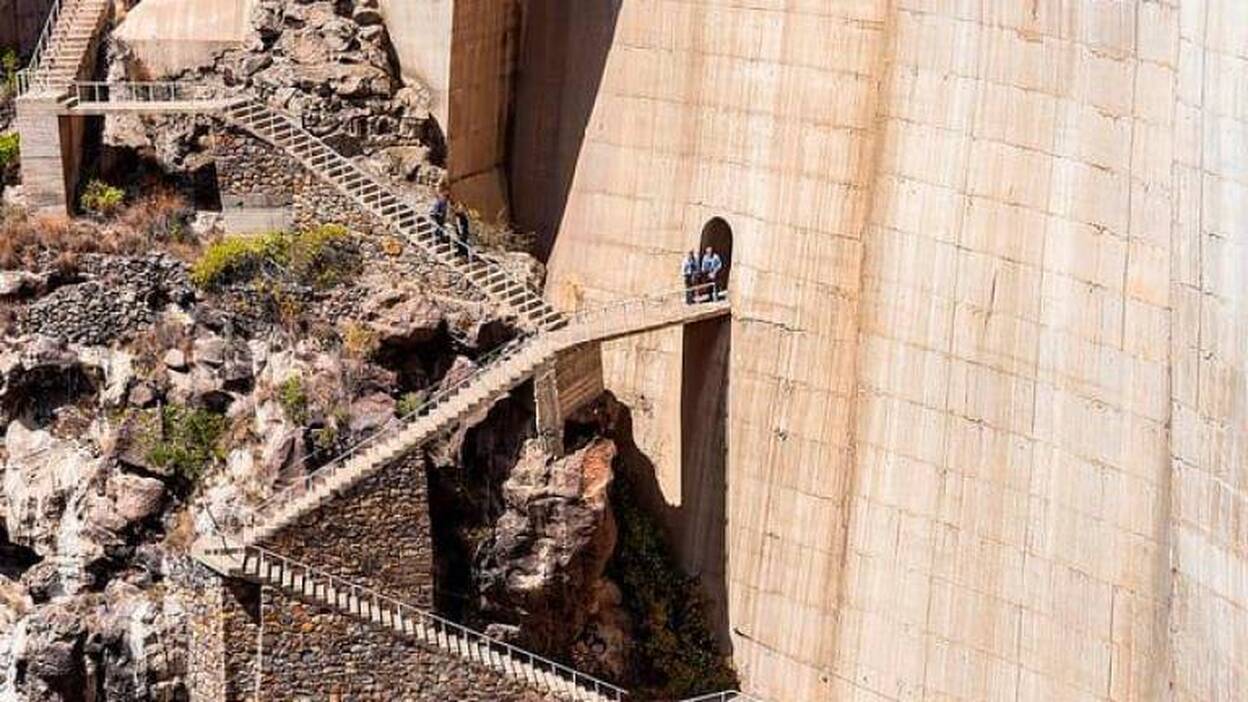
<point x="68" y="36"/>
<point x="314" y="585"/>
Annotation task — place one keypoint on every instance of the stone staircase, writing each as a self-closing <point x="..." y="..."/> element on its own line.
<point x="497" y="374"/>
<point x="68" y="37"/>
<point x="381" y="610"/>
<point x="372" y="195"/>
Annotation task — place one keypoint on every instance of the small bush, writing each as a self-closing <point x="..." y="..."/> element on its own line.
<point x="410" y="402"/>
<point x="101" y="199"/>
<point x="240" y="258"/>
<point x="8" y="69"/>
<point x="294" y="399"/>
<point x="191" y="441"/>
<point x="321" y="257"/>
<point x="324" y="256"/>
<point x="162" y="216"/>
<point x="359" y="341"/>
<point x="10" y="149"/>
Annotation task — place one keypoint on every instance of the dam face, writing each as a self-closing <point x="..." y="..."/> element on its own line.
<point x="986" y="431"/>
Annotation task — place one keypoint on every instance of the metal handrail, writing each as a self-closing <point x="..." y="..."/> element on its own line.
<point x="430" y="621"/>
<point x="106" y="92"/>
<point x="28" y="75"/>
<point x="723" y="696"/>
<point x="446" y="232"/>
<point x="491" y="362"/>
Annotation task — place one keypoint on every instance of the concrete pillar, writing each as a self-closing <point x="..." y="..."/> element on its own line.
<point x="46" y="182"/>
<point x="563" y="386"/>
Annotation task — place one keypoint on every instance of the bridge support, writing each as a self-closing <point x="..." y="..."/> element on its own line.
<point x="52" y="152"/>
<point x="563" y="386"/>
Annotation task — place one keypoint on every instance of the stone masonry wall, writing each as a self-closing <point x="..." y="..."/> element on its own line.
<point x="312" y="652"/>
<point x="252" y="173"/>
<point x="376" y="533"/>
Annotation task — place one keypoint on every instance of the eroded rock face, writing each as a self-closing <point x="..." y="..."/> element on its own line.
<point x="550" y="546"/>
<point x="44" y="478"/>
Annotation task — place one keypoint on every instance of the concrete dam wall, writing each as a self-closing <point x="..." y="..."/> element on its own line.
<point x="987" y="426"/>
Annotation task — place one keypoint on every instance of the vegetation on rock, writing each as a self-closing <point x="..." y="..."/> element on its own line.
<point x="410" y="402"/>
<point x="101" y="199"/>
<point x="294" y="399"/>
<point x="10" y="149"/>
<point x="191" y="441"/>
<point x="320" y="257"/>
<point x="676" y="654"/>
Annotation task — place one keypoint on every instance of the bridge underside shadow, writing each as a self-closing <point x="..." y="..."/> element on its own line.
<point x="699" y="524"/>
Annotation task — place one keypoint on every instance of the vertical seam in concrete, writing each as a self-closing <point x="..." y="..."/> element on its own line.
<point x="1164" y="674"/>
<point x="882" y="69"/>
<point x="1035" y="387"/>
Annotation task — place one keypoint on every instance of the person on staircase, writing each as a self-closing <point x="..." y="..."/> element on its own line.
<point x="712" y="264"/>
<point x="441" y="206"/>
<point x="690" y="269"/>
<point x="464" y="228"/>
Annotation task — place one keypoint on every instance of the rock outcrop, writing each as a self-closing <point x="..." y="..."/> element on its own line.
<point x="545" y="559"/>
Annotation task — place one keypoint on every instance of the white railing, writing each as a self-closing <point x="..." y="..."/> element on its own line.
<point x="103" y="93"/>
<point x="396" y="613"/>
<point x="29" y="76"/>
<point x="724" y="696"/>
<point x="585" y="325"/>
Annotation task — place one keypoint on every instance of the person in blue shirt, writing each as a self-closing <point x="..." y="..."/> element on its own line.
<point x="712" y="264"/>
<point x="690" y="268"/>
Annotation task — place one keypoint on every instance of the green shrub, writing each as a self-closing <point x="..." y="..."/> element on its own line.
<point x="324" y="256"/>
<point x="10" y="149"/>
<point x="191" y="441"/>
<point x="8" y="70"/>
<point x="677" y="653"/>
<point x="410" y="402"/>
<point x="240" y="258"/>
<point x="101" y="199"/>
<point x="321" y="257"/>
<point x="294" y="399"/>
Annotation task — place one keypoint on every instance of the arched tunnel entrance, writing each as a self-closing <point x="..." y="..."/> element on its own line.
<point x="717" y="235"/>
<point x="702" y="532"/>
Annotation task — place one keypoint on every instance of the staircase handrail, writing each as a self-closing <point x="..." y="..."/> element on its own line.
<point x="152" y="91"/>
<point x="723" y="696"/>
<point x="30" y="74"/>
<point x="432" y="621"/>
<point x="101" y="92"/>
<point x="454" y="239"/>
<point x="251" y="517"/>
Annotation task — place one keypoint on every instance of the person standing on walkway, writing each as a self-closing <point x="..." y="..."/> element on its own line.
<point x="689" y="268"/>
<point x="711" y="266"/>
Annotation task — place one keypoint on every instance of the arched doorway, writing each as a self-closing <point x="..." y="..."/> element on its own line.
<point x="717" y="234"/>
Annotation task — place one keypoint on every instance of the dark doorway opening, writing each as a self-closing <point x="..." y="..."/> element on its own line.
<point x="717" y="234"/>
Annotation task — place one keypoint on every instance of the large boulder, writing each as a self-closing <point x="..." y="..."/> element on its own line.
<point x="402" y="316"/>
<point x="550" y="547"/>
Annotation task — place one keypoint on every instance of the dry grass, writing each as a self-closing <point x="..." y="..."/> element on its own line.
<point x="29" y="241"/>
